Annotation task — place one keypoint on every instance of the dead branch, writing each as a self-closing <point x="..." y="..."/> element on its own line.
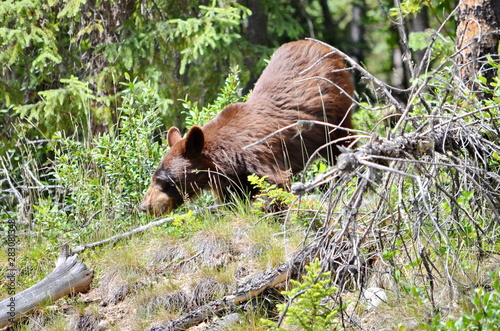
<point x="229" y="303"/>
<point x="339" y="243"/>
<point x="69" y="276"/>
<point x="150" y="225"/>
<point x="301" y="125"/>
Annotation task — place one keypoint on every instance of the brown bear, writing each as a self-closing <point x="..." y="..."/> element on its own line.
<point x="303" y="81"/>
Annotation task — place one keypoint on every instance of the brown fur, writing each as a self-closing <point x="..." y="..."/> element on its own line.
<point x="289" y="89"/>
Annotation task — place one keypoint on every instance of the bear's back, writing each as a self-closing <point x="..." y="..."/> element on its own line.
<point x="308" y="77"/>
<point x="303" y="81"/>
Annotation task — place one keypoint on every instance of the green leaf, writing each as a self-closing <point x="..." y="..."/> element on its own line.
<point x="418" y="40"/>
<point x="71" y="8"/>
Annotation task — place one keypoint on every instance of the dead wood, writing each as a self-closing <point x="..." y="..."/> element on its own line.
<point x="69" y="276"/>
<point x="150" y="225"/>
<point x="477" y="37"/>
<point x="412" y="148"/>
<point x="268" y="279"/>
<point x="229" y="303"/>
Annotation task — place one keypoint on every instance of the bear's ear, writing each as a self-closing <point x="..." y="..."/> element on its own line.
<point x="173" y="136"/>
<point x="195" y="140"/>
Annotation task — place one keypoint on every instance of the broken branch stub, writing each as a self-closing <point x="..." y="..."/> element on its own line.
<point x="69" y="276"/>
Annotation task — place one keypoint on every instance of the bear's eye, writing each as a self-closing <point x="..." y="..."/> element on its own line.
<point x="166" y="183"/>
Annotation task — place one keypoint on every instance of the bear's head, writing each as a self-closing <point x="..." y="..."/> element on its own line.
<point x="182" y="173"/>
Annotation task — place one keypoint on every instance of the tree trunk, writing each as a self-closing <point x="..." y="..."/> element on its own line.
<point x="401" y="56"/>
<point x="69" y="276"/>
<point x="257" y="23"/>
<point x="477" y="36"/>
<point x="330" y="35"/>
<point x="357" y="31"/>
<point x="256" y="34"/>
<point x="399" y="73"/>
<point x="357" y="45"/>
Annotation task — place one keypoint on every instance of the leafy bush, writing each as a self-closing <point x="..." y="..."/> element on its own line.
<point x="229" y="94"/>
<point x="269" y="194"/>
<point x="108" y="175"/>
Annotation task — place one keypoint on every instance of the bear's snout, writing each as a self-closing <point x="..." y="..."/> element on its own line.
<point x="156" y="202"/>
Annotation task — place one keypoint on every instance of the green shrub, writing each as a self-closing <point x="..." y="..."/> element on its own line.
<point x="108" y="175"/>
<point x="483" y="314"/>
<point x="227" y="96"/>
<point x="269" y="193"/>
<point x="308" y="306"/>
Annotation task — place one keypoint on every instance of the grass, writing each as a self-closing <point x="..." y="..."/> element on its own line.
<point x="232" y="245"/>
<point x="161" y="269"/>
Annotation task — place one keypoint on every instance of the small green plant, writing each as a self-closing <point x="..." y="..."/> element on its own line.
<point x="493" y="89"/>
<point x="269" y="193"/>
<point x="484" y="313"/>
<point x="106" y="177"/>
<point x="51" y="224"/>
<point x="408" y="7"/>
<point x="308" y="305"/>
<point x="442" y="47"/>
<point x="368" y="120"/>
<point x="186" y="223"/>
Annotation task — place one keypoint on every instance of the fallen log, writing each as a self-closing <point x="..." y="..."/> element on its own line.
<point x="256" y="287"/>
<point x="69" y="276"/>
<point x="229" y="303"/>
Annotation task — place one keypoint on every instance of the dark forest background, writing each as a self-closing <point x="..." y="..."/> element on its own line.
<point x="63" y="61"/>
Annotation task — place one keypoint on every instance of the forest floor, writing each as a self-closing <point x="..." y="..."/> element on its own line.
<point x="156" y="276"/>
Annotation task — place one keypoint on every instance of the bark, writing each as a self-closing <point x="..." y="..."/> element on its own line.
<point x="229" y="303"/>
<point x="330" y="27"/>
<point x="399" y="74"/>
<point x="357" y="44"/>
<point x="477" y="36"/>
<point x="257" y="23"/>
<point x="401" y="56"/>
<point x="69" y="276"/>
